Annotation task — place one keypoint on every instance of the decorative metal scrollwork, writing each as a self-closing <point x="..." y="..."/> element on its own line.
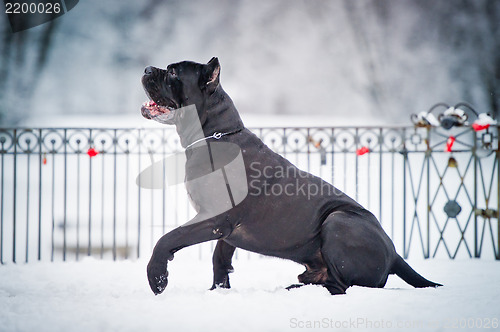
<point x="28" y="141"/>
<point x="53" y="140"/>
<point x="345" y="140"/>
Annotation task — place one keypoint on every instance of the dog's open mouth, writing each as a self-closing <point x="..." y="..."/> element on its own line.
<point x="153" y="111"/>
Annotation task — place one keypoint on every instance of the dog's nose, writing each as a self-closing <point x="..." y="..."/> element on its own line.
<point x="148" y="70"/>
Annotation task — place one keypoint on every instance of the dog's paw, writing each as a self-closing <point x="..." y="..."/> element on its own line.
<point x="157" y="277"/>
<point x="221" y="283"/>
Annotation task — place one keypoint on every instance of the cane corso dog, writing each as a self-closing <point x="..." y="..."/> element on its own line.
<point x="287" y="213"/>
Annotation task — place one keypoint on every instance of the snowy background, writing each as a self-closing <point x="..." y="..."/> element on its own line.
<point x="337" y="58"/>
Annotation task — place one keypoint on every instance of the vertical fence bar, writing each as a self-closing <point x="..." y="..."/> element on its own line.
<point x="308" y="152"/>
<point x="151" y="199"/>
<point x="368" y="187"/>
<point x="78" y="171"/>
<point x="127" y="172"/>
<point x="497" y="156"/>
<point x="164" y="193"/>
<point x="405" y="254"/>
<point x="115" y="143"/>
<point x="474" y="151"/>
<point x="284" y="142"/>
<point x="345" y="165"/>
<point x="40" y="163"/>
<point x="381" y="143"/>
<point x="176" y="208"/>
<point x="3" y="152"/>
<point x="89" y="248"/>
<point x="53" y="153"/>
<point x="65" y="199"/>
<point x="393" y="152"/>
<point x="356" y="147"/>
<point x="428" y="192"/>
<point x="102" y="196"/>
<point x="332" y="142"/>
<point x="28" y="142"/>
<point x="14" y="139"/>
<point x="139" y="143"/>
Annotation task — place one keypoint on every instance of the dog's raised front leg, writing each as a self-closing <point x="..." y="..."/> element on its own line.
<point x="177" y="239"/>
<point x="221" y="260"/>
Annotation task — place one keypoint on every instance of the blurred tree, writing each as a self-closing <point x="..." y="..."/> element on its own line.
<point x="468" y="33"/>
<point x="490" y="69"/>
<point x="380" y="58"/>
<point x="23" y="57"/>
<point x="451" y="46"/>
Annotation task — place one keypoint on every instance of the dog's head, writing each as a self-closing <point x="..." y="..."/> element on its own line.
<point x="179" y="85"/>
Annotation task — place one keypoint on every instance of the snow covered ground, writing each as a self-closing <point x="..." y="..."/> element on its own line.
<point x="97" y="295"/>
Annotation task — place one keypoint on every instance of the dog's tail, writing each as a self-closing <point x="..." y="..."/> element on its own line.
<point x="405" y="272"/>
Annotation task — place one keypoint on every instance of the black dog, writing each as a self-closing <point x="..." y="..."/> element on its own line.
<point x="338" y="241"/>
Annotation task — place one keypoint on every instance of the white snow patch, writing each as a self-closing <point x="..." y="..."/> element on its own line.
<point x="94" y="295"/>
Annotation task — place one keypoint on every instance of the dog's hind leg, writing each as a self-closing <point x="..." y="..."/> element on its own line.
<point x="319" y="277"/>
<point x="334" y="282"/>
<point x="315" y="273"/>
<point x="356" y="251"/>
<point x="221" y="260"/>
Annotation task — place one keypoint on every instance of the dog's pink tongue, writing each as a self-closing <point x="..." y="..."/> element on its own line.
<point x="150" y="109"/>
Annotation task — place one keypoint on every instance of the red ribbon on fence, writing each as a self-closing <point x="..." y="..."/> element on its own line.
<point x="92" y="152"/>
<point x="362" y="150"/>
<point x="449" y="143"/>
<point x="479" y="127"/>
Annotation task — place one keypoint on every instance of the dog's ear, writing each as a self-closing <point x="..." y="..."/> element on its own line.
<point x="209" y="79"/>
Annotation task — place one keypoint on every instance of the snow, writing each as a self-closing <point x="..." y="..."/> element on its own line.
<point x="94" y="295"/>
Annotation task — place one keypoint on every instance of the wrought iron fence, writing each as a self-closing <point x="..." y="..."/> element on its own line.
<point x="68" y="193"/>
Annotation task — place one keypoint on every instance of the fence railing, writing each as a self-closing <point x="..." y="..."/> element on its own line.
<point x="68" y="193"/>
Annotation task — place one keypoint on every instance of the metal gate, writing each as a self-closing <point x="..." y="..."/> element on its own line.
<point x="67" y="193"/>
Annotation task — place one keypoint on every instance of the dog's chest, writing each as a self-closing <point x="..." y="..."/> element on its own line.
<point x="206" y="183"/>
